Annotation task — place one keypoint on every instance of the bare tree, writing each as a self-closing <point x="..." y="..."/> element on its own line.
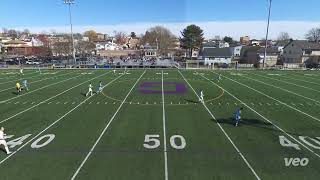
<point x="62" y="48"/>
<point x="26" y="31"/>
<point x="13" y="33"/>
<point x="283" y="36"/>
<point x="84" y="47"/>
<point x="159" y="37"/>
<point x="313" y="35"/>
<point x="91" y="34"/>
<point x="121" y="37"/>
<point x="4" y="30"/>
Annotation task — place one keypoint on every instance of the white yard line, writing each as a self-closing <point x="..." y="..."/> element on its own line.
<point x="285" y="104"/>
<point x="310" y="76"/>
<point x="48" y="127"/>
<point x="282" y="89"/>
<point x="164" y="133"/>
<point x="224" y="132"/>
<point x="301" y="80"/>
<point x="32" y="91"/>
<point x="263" y="117"/>
<point x="37" y="81"/>
<point x="104" y="130"/>
<point x="42" y="102"/>
<point x="288" y="83"/>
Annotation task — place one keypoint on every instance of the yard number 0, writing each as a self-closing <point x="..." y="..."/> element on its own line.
<point x="182" y="141"/>
<point x="36" y="144"/>
<point x="153" y="142"/>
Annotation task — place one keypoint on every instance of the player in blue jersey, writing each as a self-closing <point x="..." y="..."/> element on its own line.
<point x="100" y="87"/>
<point x="237" y="116"/>
<point x="25" y="84"/>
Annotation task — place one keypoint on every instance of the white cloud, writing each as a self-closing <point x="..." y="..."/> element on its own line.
<point x="235" y="29"/>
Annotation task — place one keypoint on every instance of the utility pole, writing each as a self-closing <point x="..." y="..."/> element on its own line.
<point x="69" y="3"/>
<point x="267" y="34"/>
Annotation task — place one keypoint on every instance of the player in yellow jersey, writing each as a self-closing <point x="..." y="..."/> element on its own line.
<point x="18" y="87"/>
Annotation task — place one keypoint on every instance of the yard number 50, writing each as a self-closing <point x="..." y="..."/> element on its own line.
<point x="153" y="141"/>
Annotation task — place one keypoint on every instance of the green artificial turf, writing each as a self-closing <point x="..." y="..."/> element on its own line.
<point x="59" y="133"/>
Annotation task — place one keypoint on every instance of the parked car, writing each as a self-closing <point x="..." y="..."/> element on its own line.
<point x="32" y="62"/>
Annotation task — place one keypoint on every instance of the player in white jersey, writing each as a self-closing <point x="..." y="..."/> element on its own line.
<point x="39" y="69"/>
<point x="3" y="141"/>
<point x="21" y="71"/>
<point x="201" y="96"/>
<point x="90" y="90"/>
<point x="219" y="78"/>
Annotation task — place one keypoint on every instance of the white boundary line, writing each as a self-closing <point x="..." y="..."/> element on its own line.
<point x="287" y="82"/>
<point x="285" y="104"/>
<point x="24" y="77"/>
<point x="105" y="129"/>
<point x="224" y="132"/>
<point x="263" y="117"/>
<point x="39" y="134"/>
<point x="37" y="81"/>
<point x="282" y="89"/>
<point x="164" y="133"/>
<point x="15" y="75"/>
<point x="42" y="102"/>
<point x="18" y="96"/>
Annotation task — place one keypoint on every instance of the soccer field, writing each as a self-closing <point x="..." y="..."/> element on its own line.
<point x="149" y="125"/>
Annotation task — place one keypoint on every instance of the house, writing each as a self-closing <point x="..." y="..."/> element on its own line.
<point x="236" y="51"/>
<point x="100" y="46"/>
<point x="103" y="45"/>
<point x="272" y="55"/>
<point x="223" y="44"/>
<point x="112" y="46"/>
<point x="133" y="43"/>
<point x="150" y="51"/>
<point x="280" y="49"/>
<point x="102" y="36"/>
<point x="249" y="55"/>
<point x="85" y="38"/>
<point x="17" y="47"/>
<point x="255" y="55"/>
<point x="299" y="52"/>
<point x="245" y="40"/>
<point x="212" y="56"/>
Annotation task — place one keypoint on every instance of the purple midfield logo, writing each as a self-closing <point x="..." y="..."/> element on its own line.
<point x="155" y="88"/>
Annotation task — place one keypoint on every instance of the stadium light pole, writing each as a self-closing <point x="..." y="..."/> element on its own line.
<point x="267" y="34"/>
<point x="69" y="3"/>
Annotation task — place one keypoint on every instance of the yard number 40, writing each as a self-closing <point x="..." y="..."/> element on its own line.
<point x="153" y="141"/>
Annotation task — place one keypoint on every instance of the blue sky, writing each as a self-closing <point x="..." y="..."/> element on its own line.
<point x="53" y="14"/>
<point x="16" y="13"/>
